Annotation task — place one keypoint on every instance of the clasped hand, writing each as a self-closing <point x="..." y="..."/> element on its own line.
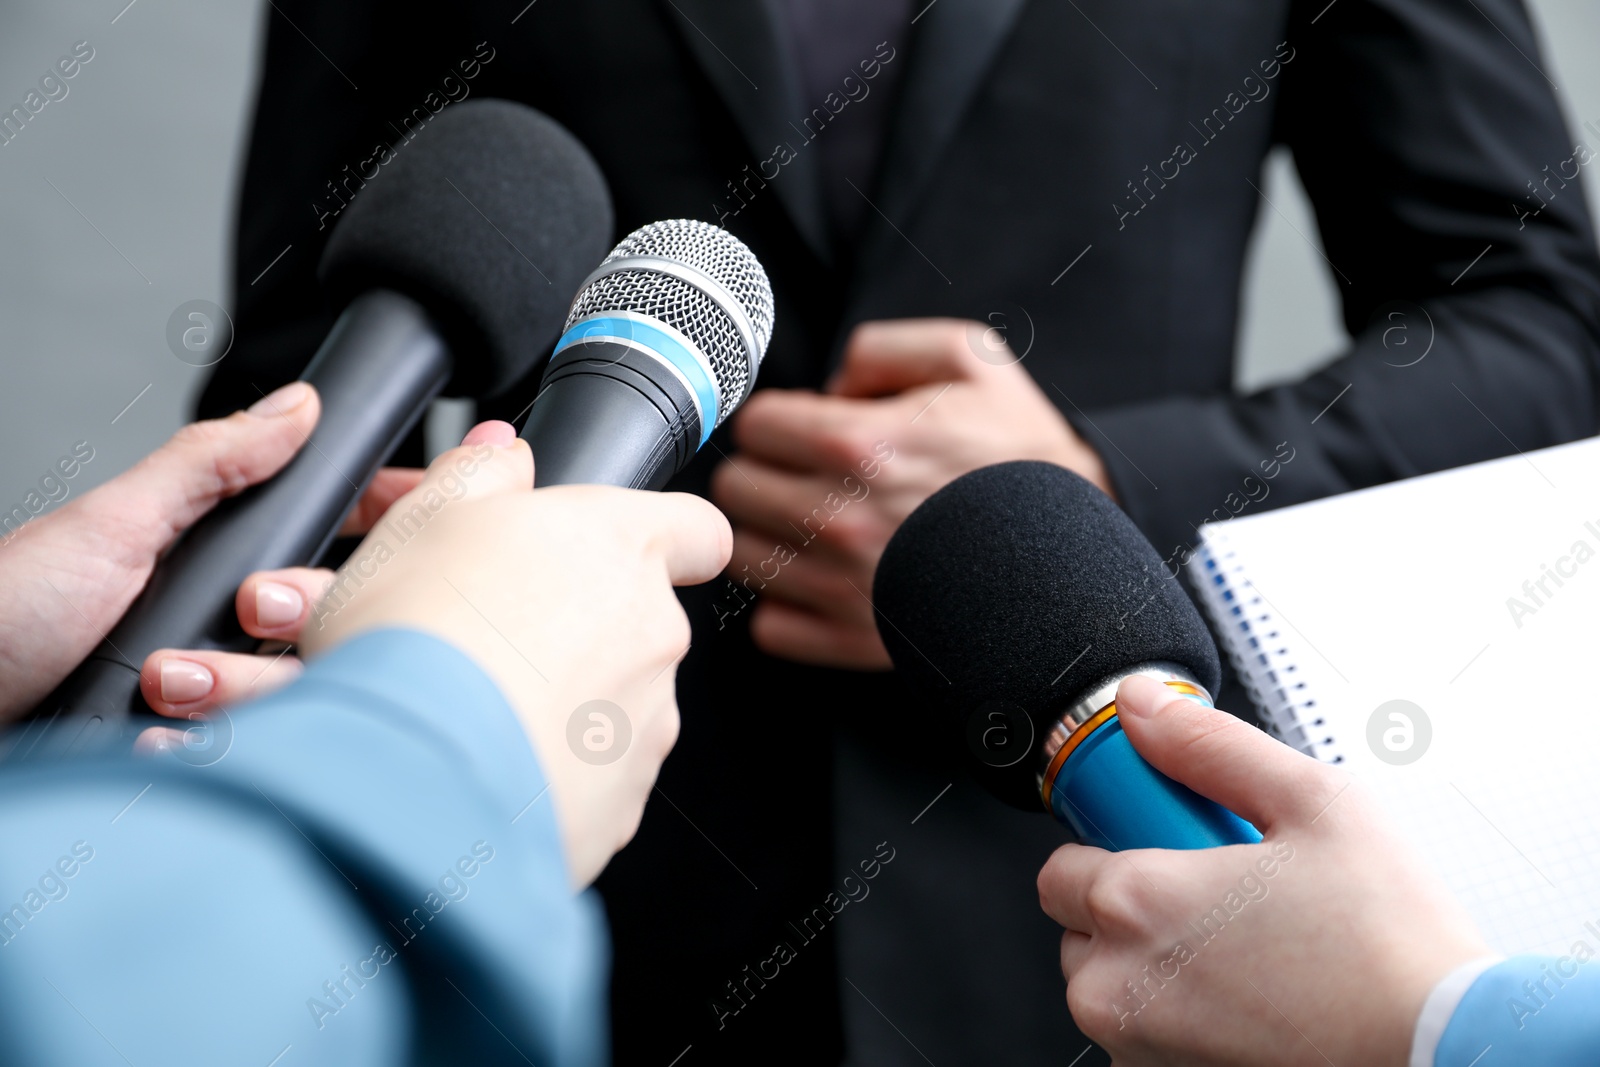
<point x="821" y="481"/>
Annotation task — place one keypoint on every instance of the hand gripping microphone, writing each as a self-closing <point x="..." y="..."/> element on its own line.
<point x="1014" y="600"/>
<point x="453" y="268"/>
<point x="662" y="343"/>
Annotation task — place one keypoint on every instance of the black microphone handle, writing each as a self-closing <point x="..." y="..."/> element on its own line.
<point x="380" y="367"/>
<point x="609" y="414"/>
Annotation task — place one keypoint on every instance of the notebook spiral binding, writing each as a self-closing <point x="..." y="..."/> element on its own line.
<point x="1259" y="651"/>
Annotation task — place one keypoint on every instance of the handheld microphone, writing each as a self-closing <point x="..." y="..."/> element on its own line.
<point x="1014" y="600"/>
<point x="662" y="343"/>
<point x="453" y="268"/>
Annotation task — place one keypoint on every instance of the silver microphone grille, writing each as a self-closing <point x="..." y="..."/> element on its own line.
<point x="698" y="279"/>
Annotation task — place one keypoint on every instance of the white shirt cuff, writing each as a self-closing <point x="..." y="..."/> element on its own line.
<point x="1440" y="1007"/>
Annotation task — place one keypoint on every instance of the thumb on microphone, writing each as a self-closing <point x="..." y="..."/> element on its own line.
<point x="1224" y="758"/>
<point x="490" y="459"/>
<point x="204" y="463"/>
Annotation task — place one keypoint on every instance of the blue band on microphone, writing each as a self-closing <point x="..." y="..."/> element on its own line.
<point x="1114" y="799"/>
<point x="661" y="344"/>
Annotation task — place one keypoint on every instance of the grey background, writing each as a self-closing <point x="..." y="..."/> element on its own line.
<point x="144" y="155"/>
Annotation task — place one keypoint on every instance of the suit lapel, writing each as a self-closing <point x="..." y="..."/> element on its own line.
<point x="952" y="44"/>
<point x="739" y="48"/>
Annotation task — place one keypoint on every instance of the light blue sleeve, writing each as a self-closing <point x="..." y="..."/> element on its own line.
<point x="1532" y="1011"/>
<point x="363" y="869"/>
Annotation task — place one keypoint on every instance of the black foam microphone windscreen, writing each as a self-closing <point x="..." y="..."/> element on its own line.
<point x="1022" y="585"/>
<point x="490" y="218"/>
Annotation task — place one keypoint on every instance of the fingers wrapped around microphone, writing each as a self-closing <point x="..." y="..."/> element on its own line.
<point x="563" y="596"/>
<point x="275" y="606"/>
<point x="272" y="605"/>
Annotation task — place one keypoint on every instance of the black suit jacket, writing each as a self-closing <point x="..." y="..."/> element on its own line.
<point x="1086" y="175"/>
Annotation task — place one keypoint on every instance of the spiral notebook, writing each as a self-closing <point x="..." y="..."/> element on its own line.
<point x="1440" y="637"/>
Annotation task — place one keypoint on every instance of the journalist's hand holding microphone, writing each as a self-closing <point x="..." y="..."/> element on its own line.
<point x="68" y="576"/>
<point x="424" y="755"/>
<point x="562" y="596"/>
<point x="1318" y="945"/>
<point x="577" y="580"/>
<point x="1032" y="614"/>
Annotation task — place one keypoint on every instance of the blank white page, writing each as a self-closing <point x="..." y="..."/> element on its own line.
<point x="1405" y="592"/>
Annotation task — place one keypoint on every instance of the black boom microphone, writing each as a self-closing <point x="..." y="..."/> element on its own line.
<point x="1014" y="600"/>
<point x="454" y="269"/>
<point x="662" y="343"/>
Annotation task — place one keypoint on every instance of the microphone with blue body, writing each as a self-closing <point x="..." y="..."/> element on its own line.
<point x="1015" y="600"/>
<point x="662" y="343"/>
